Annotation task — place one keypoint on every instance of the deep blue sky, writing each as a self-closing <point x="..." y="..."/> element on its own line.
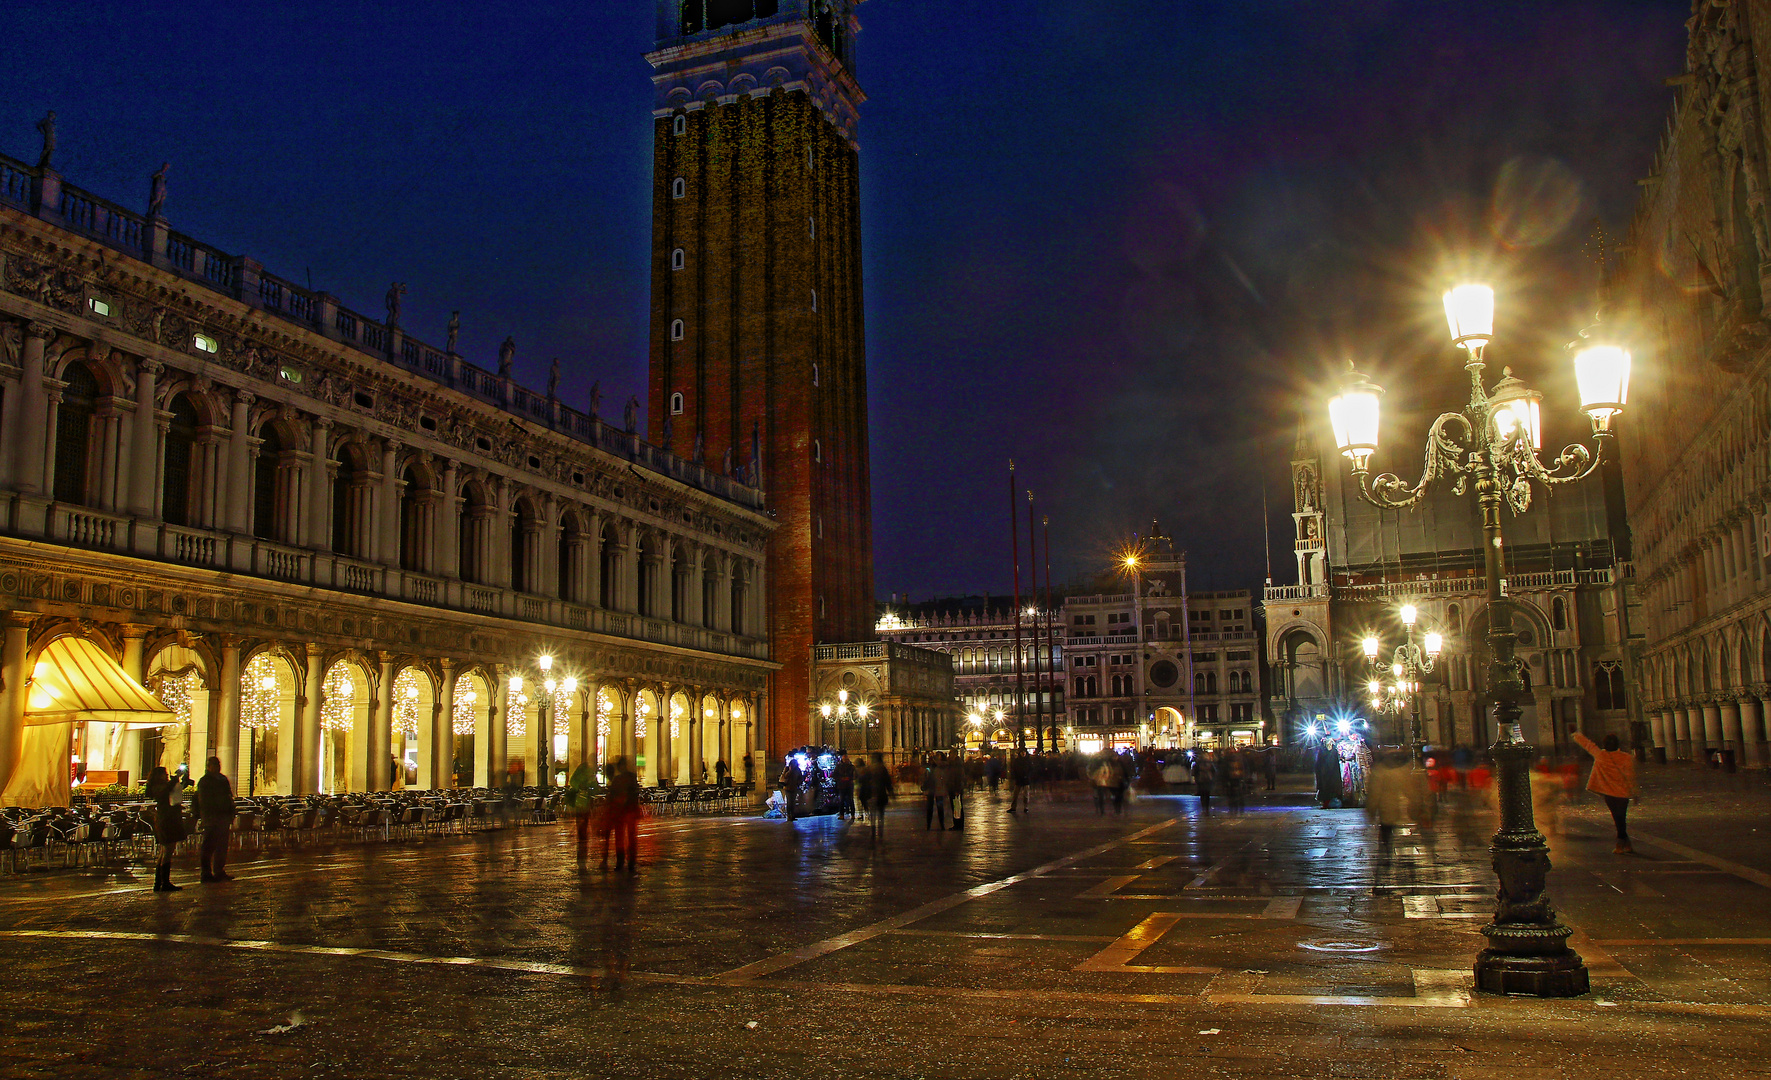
<point x="1122" y="243"/>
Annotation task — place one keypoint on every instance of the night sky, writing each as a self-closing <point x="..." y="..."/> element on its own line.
<point x="1121" y="243"/>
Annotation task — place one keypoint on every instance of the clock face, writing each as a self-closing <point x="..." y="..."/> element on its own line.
<point x="1164" y="674"/>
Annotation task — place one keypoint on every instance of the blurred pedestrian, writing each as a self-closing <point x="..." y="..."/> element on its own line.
<point x="1020" y="775"/>
<point x="791" y="781"/>
<point x="169" y="826"/>
<point x="845" y="787"/>
<point x="1235" y="774"/>
<point x="1270" y="761"/>
<point x="215" y="812"/>
<point x="621" y="817"/>
<point x="953" y="776"/>
<point x="1397" y="794"/>
<point x="1104" y="777"/>
<point x="1205" y="777"/>
<point x="875" y="787"/>
<point x="1614" y="780"/>
<point x="579" y="796"/>
<point x="1328" y="775"/>
<point x="934" y="793"/>
<point x="722" y="773"/>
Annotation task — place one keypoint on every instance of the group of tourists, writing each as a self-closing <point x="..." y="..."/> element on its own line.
<point x="616" y="816"/>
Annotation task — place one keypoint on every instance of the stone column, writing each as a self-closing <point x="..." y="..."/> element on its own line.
<point x="546" y="542"/>
<point x="1712" y="726"/>
<point x="448" y="533"/>
<point x="1681" y="733"/>
<point x="497" y="730"/>
<point x="306" y="744"/>
<point x="14" y="652"/>
<point x="1731" y="733"/>
<point x="381" y="726"/>
<point x="722" y="592"/>
<point x="144" y="450"/>
<point x="134" y="666"/>
<point x="696" y="734"/>
<point x="238" y="497"/>
<point x="387" y="508"/>
<point x="315" y="530"/>
<point x="227" y="717"/>
<point x="31" y="438"/>
<point x="442" y="754"/>
<point x="1752" y="729"/>
<point x="495" y="539"/>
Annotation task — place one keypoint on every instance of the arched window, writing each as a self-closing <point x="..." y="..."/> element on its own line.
<point x="175" y="483"/>
<point x="677" y="259"/>
<point x="740" y="595"/>
<point x="73" y="434"/>
<point x="648" y="576"/>
<point x="676" y="330"/>
<point x="1559" y="613"/>
<point x="569" y="539"/>
<point x="679" y="124"/>
<point x="709" y="592"/>
<point x="523" y="529"/>
<point x="680" y="565"/>
<point x="1452" y="617"/>
<point x="676" y="403"/>
<point x="1617" y="695"/>
<point x="343" y="508"/>
<point x="1211" y="682"/>
<point x="265" y="518"/>
<point x="1199" y="682"/>
<point x="476" y="523"/>
<point x="1602" y="687"/>
<point x="678" y="188"/>
<point x="414" y="526"/>
<point x="817" y="450"/>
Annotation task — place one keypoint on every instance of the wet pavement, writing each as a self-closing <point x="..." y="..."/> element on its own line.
<point x="1280" y="942"/>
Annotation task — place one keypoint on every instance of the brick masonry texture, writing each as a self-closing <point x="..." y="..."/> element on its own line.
<point x="769" y="295"/>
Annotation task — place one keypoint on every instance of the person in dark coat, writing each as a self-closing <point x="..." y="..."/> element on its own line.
<point x="875" y="785"/>
<point x="169" y="826"/>
<point x="1328" y="775"/>
<point x="792" y="779"/>
<point x="215" y="812"/>
<point x="953" y="779"/>
<point x="845" y="787"/>
<point x="934" y="793"/>
<point x="1205" y="777"/>
<point x="621" y="809"/>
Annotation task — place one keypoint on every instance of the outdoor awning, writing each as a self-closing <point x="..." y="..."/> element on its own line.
<point x="76" y="681"/>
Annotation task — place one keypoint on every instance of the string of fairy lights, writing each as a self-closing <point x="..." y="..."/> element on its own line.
<point x="466" y="702"/>
<point x="175" y="693"/>
<point x="338" y="699"/>
<point x="406" y="691"/>
<point x="261" y="699"/>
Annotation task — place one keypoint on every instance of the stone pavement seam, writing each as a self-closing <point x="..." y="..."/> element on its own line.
<point x="1745" y="873"/>
<point x="782" y="961"/>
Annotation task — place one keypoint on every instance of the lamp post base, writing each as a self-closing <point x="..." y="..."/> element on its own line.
<point x="1554" y="975"/>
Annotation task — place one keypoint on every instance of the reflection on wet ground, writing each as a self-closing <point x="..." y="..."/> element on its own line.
<point x="1284" y="922"/>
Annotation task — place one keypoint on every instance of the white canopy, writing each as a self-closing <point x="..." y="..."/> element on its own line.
<point x="76" y="681"/>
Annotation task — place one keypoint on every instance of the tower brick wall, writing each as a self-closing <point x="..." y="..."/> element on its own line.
<point x="756" y="318"/>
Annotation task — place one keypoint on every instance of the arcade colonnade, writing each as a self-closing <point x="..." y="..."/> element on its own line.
<point x="298" y="718"/>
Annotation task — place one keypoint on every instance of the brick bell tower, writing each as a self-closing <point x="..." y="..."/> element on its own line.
<point x="757" y="361"/>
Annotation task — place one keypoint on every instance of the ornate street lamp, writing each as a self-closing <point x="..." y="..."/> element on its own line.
<point x="1412" y="659"/>
<point x="1493" y="442"/>
<point x="544" y="717"/>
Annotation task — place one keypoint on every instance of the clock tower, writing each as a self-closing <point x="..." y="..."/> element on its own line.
<point x="757" y="362"/>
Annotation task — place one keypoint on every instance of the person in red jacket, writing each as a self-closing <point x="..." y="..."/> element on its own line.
<point x="1614" y="780"/>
